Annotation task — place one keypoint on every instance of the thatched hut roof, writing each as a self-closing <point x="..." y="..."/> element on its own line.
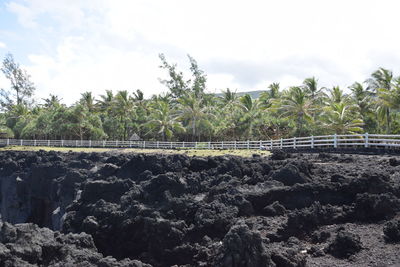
<point x="135" y="137"/>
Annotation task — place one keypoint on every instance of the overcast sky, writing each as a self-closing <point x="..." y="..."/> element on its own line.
<point x="72" y="46"/>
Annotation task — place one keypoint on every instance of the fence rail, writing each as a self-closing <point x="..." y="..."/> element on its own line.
<point x="325" y="141"/>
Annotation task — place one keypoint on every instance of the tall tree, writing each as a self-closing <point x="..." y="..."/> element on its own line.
<point x="342" y="118"/>
<point x="336" y="95"/>
<point x="311" y="87"/>
<point x="194" y="113"/>
<point x="249" y="115"/>
<point x="364" y="99"/>
<point x="52" y="101"/>
<point x="177" y="84"/>
<point x="198" y="81"/>
<point x="163" y="121"/>
<point x="88" y="101"/>
<point x="228" y="97"/>
<point x="22" y="88"/>
<point x="123" y="108"/>
<point x="272" y="94"/>
<point x="105" y="102"/>
<point x="297" y="106"/>
<point x="381" y="83"/>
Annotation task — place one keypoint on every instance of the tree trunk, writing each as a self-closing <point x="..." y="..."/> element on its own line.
<point x="388" y="120"/>
<point x="194" y="129"/>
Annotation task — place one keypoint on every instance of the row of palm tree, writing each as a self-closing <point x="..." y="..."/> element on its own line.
<point x="188" y="113"/>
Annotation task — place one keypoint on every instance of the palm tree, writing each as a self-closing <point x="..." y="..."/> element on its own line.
<point x="105" y="102"/>
<point x="381" y="78"/>
<point x="267" y="97"/>
<point x="5" y="131"/>
<point x="138" y="95"/>
<point x="228" y="97"/>
<point x="79" y="122"/>
<point x="163" y="121"/>
<point x="88" y="100"/>
<point x="336" y="95"/>
<point x="298" y="106"/>
<point x="52" y="102"/>
<point x="381" y="82"/>
<point x="249" y="115"/>
<point x="310" y="85"/>
<point x="223" y="109"/>
<point x="362" y="97"/>
<point x="316" y="94"/>
<point x="123" y="108"/>
<point x="194" y="113"/>
<point x="342" y="118"/>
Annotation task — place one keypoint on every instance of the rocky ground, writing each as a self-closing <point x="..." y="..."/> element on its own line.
<point x="102" y="209"/>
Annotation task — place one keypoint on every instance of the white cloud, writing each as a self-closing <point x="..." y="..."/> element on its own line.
<point x="103" y="44"/>
<point x="26" y="16"/>
<point x="2" y="45"/>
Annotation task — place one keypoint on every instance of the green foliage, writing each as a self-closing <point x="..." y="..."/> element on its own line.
<point x="187" y="113"/>
<point x="22" y="87"/>
<point x="163" y="122"/>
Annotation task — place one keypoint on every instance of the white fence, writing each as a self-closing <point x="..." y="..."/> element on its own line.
<point x="324" y="141"/>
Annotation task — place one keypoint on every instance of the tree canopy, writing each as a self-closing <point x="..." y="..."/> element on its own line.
<point x="188" y="113"/>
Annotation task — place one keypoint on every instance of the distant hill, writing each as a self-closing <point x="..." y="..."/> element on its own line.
<point x="253" y="94"/>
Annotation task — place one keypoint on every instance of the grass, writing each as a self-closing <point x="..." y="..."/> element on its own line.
<point x="198" y="152"/>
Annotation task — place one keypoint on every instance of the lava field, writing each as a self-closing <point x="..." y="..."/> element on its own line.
<point x="116" y="209"/>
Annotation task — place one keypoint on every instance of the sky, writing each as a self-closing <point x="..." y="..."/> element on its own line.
<point x="72" y="46"/>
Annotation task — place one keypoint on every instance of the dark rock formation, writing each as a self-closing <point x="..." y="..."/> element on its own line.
<point x="345" y="244"/>
<point x="242" y="247"/>
<point x="392" y="231"/>
<point x="28" y="245"/>
<point x="166" y="210"/>
<point x="290" y="175"/>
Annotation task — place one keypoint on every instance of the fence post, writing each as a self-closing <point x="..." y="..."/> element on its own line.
<point x="76" y="143"/>
<point x="294" y="142"/>
<point x="90" y="143"/>
<point x="260" y="144"/>
<point x="195" y="145"/>
<point x="335" y="140"/>
<point x="222" y="144"/>
<point x="281" y="143"/>
<point x="209" y="145"/>
<point x="158" y="144"/>
<point x="34" y="142"/>
<point x="8" y="142"/>
<point x="312" y="141"/>
<point x="21" y="142"/>
<point x="235" y="144"/>
<point x="183" y="144"/>
<point x="48" y="143"/>
<point x="366" y="140"/>
<point x="62" y="142"/>
<point x="248" y="144"/>
<point x="144" y="144"/>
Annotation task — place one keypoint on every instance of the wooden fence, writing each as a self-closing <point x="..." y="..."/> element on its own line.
<point x="323" y="141"/>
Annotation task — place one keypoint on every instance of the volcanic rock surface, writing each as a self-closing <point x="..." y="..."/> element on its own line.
<point x="117" y="209"/>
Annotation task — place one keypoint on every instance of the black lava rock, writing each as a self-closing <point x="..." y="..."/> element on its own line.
<point x="392" y="231"/>
<point x="345" y="244"/>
